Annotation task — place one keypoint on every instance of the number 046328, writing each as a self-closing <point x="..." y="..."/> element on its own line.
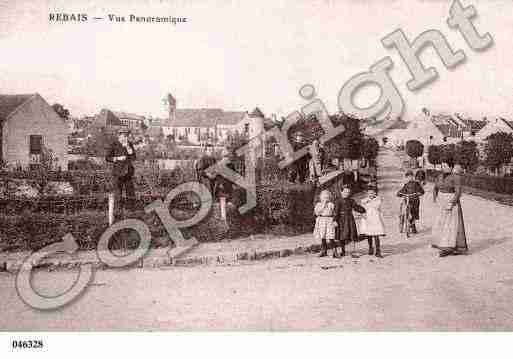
<point x="27" y="344"/>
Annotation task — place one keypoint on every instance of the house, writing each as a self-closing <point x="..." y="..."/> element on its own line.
<point x="493" y="126"/>
<point x="423" y="129"/>
<point x="394" y="134"/>
<point x="443" y="128"/>
<point x="212" y="125"/>
<point x="28" y="126"/>
<point x="130" y="120"/>
<point x="472" y="127"/>
<point x="117" y="119"/>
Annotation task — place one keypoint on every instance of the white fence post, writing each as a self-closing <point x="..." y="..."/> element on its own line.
<point x="222" y="202"/>
<point x="111" y="209"/>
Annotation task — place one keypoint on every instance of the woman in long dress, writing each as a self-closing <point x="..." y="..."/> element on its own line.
<point x="449" y="227"/>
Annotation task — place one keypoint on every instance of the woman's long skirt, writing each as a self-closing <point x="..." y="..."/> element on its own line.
<point x="449" y="227"/>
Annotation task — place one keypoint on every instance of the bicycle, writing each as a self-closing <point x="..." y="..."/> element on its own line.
<point x="405" y="216"/>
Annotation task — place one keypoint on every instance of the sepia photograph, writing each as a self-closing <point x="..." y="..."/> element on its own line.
<point x="273" y="166"/>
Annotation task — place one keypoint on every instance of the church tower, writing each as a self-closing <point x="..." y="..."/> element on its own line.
<point x="171" y="101"/>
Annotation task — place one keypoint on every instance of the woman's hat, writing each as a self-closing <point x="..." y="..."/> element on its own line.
<point x="457" y="168"/>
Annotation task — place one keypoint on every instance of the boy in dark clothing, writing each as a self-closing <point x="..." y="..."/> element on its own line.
<point x="412" y="187"/>
<point x="420" y="176"/>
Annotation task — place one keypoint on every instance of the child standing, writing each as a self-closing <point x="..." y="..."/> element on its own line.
<point x="372" y="223"/>
<point x="324" y="225"/>
<point x="347" y="231"/>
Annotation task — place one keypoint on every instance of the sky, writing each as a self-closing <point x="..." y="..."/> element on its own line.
<point x="237" y="55"/>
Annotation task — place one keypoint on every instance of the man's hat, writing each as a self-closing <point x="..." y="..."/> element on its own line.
<point x="225" y="152"/>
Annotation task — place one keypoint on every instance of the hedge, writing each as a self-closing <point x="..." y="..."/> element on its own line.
<point x="502" y="185"/>
<point x="289" y="206"/>
<point x="279" y="204"/>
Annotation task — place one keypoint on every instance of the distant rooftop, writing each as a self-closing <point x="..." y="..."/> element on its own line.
<point x="206" y="117"/>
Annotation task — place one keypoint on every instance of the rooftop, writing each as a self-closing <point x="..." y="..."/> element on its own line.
<point x="9" y="103"/>
<point x="206" y="117"/>
<point x="127" y="116"/>
<point x="399" y="124"/>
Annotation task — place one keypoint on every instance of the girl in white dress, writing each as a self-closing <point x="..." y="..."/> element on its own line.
<point x="372" y="224"/>
<point x="324" y="224"/>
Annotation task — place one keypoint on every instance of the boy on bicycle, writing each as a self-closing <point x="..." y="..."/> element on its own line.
<point x="412" y="187"/>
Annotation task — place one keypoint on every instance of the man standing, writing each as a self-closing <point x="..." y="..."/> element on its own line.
<point x="223" y="188"/>
<point x="202" y="164"/>
<point x="121" y="154"/>
<point x="299" y="169"/>
<point x="317" y="163"/>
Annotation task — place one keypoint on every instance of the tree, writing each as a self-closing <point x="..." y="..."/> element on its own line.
<point x="61" y="111"/>
<point x="466" y="155"/>
<point x="435" y="155"/>
<point x="349" y="143"/>
<point x="414" y="148"/>
<point x="498" y="150"/>
<point x="370" y="149"/>
<point x="448" y="153"/>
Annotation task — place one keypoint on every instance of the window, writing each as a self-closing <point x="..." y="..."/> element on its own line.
<point x="246" y="128"/>
<point x="36" y="144"/>
<point x="35" y="150"/>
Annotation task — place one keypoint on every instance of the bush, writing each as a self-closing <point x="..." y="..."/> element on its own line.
<point x="23" y="231"/>
<point x="370" y="149"/>
<point x="414" y="148"/>
<point x="502" y="185"/>
<point x="448" y="154"/>
<point x="84" y="165"/>
<point x="289" y="204"/>
<point x="466" y="155"/>
<point x="498" y="149"/>
<point x="269" y="172"/>
<point x="435" y="155"/>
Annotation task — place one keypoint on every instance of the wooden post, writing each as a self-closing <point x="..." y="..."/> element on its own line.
<point x="222" y="203"/>
<point x="111" y="209"/>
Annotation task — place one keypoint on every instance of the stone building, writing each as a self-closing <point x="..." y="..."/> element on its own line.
<point x="28" y="127"/>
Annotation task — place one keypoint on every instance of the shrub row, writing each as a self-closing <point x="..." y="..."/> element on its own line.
<point x="289" y="206"/>
<point x="502" y="185"/>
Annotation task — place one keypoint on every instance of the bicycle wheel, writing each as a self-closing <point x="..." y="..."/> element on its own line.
<point x="407" y="221"/>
